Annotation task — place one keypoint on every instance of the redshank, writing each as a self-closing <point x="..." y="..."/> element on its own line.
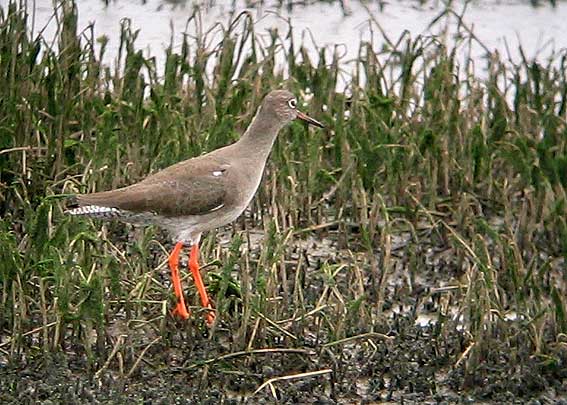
<point x="199" y="194"/>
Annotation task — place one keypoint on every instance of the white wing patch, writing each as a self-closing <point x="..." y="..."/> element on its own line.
<point x="217" y="208"/>
<point x="218" y="173"/>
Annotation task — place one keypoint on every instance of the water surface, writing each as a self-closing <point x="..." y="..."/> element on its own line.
<point x="501" y="26"/>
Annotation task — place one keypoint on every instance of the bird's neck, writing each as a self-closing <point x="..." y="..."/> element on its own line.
<point x="260" y="135"/>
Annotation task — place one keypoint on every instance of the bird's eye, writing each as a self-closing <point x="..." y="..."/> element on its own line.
<point x="292" y="103"/>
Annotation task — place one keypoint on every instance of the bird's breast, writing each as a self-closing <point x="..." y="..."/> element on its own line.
<point x="248" y="185"/>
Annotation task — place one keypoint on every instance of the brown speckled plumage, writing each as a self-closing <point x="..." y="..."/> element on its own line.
<point x="205" y="192"/>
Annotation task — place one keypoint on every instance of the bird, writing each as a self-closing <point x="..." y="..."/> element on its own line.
<point x="199" y="194"/>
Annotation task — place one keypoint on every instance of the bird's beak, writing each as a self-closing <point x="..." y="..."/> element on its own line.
<point x="304" y="117"/>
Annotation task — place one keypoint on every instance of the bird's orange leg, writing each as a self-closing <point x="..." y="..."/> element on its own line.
<point x="180" y="308"/>
<point x="194" y="267"/>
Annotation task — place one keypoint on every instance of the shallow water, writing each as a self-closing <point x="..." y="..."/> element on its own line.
<point x="501" y="26"/>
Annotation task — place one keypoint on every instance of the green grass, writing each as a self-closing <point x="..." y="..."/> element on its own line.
<point x="442" y="193"/>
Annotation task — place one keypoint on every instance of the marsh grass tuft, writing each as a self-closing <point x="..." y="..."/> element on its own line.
<point x="432" y="193"/>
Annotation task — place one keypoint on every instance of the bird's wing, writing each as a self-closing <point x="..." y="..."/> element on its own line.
<point x="182" y="189"/>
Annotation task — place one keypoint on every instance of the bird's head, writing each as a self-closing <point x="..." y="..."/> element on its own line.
<point x="283" y="105"/>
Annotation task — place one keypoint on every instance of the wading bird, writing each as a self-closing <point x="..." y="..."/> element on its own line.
<point x="199" y="194"/>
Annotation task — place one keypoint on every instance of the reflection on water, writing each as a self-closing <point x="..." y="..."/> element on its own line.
<point x="502" y="25"/>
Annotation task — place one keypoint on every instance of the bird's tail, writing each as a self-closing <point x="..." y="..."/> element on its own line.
<point x="94" y="211"/>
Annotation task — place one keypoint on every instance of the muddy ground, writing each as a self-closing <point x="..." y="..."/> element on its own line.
<point x="415" y="356"/>
<point x="415" y="367"/>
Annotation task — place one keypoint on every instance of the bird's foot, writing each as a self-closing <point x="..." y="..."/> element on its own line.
<point x="181" y="311"/>
<point x="205" y="301"/>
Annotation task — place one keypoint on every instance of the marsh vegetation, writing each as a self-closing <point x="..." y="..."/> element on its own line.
<point x="414" y="250"/>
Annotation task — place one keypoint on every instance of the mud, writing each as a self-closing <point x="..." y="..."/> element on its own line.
<point x="415" y="356"/>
